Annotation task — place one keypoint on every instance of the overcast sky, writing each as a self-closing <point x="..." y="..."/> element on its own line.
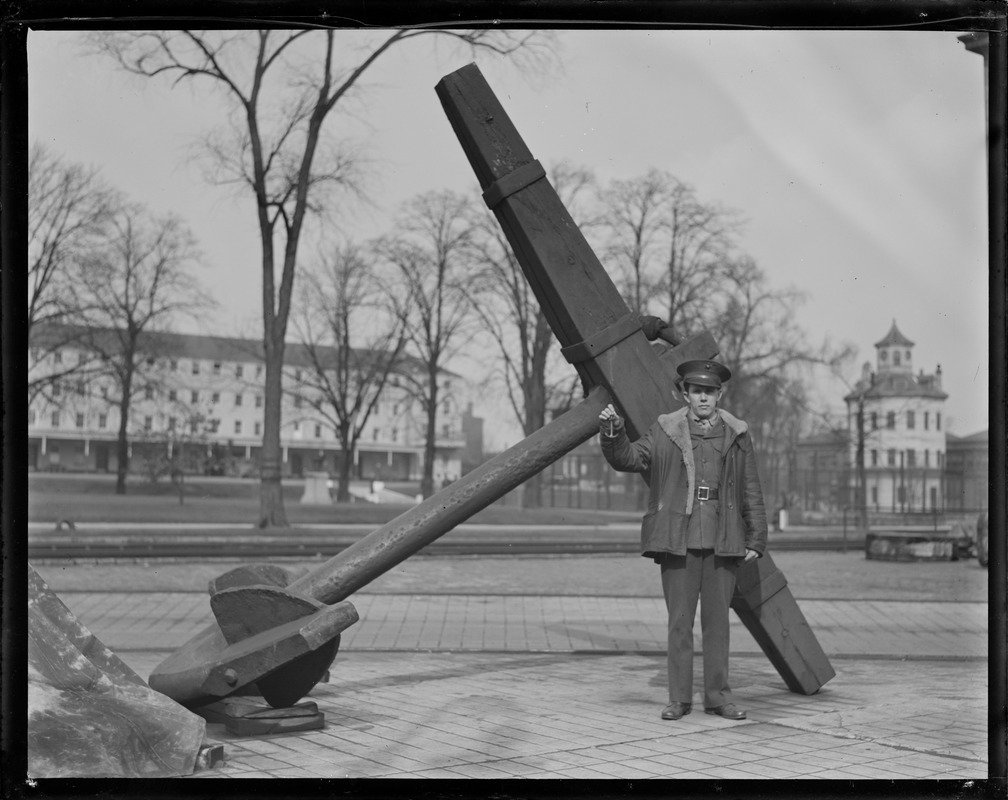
<point x="857" y="159"/>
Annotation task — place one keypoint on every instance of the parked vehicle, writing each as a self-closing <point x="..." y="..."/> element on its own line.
<point x="981" y="539"/>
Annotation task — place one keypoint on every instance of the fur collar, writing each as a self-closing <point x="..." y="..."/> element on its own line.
<point x="676" y="427"/>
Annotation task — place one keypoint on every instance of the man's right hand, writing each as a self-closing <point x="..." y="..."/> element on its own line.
<point x="610" y="423"/>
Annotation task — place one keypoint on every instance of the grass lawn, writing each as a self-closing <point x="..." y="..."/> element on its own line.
<point x="52" y="498"/>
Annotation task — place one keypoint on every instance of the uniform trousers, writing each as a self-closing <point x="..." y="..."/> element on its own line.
<point x="711" y="578"/>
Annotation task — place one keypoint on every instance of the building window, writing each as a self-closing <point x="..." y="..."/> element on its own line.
<point x="173" y="365"/>
<point x="874" y="458"/>
<point x="896" y="357"/>
<point x="195" y="367"/>
<point x="148" y="393"/>
<point x="297" y="401"/>
<point x="238" y="399"/>
<point x="318" y="431"/>
<point x="193" y="425"/>
<point x="259" y="370"/>
<point x="195" y="397"/>
<point x="891" y="420"/>
<point x="258" y="401"/>
<point x="297" y="375"/>
<point x="216" y="367"/>
<point x="81" y="388"/>
<point x="239" y="370"/>
<point x="395" y="434"/>
<point x="911" y="457"/>
<point x="926" y="420"/>
<point x="297" y="427"/>
<point x="31" y="416"/>
<point x="238" y="426"/>
<point x="911" y="420"/>
<point x="938" y="420"/>
<point x="171" y="423"/>
<point x="214" y="425"/>
<point x="874" y="495"/>
<point x="102" y="421"/>
<point x="55" y="419"/>
<point x="375" y="434"/>
<point x="891" y="457"/>
<point x="215" y="398"/>
<point x="80" y="420"/>
<point x="927" y="458"/>
<point x="148" y="424"/>
<point x="56" y="390"/>
<point x="874" y="421"/>
<point x="172" y="395"/>
<point x="57" y="357"/>
<point x="258" y="429"/>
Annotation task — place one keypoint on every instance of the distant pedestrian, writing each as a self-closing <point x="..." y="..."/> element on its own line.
<point x="705" y="516"/>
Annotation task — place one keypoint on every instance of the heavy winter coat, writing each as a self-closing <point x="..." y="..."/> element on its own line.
<point x="665" y="456"/>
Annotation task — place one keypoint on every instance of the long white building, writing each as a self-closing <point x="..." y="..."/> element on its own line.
<point x="206" y="392"/>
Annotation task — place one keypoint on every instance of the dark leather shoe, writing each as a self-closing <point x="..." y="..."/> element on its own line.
<point x="676" y="710"/>
<point x="728" y="711"/>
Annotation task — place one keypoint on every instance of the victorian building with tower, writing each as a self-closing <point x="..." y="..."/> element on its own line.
<point x="894" y="420"/>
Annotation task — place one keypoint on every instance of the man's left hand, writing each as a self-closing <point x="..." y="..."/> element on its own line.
<point x="750" y="555"/>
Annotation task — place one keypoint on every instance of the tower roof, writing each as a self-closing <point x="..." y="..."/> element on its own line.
<point x="894" y="337"/>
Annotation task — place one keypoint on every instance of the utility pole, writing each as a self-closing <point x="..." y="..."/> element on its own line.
<point x="902" y="485"/>
<point x="861" y="491"/>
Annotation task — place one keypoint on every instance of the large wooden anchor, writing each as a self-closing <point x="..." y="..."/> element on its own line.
<point x="283" y="638"/>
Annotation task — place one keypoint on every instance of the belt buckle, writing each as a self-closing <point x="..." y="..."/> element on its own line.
<point x="703" y="492"/>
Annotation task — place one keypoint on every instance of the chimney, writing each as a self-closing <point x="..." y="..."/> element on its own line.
<point x="938" y="381"/>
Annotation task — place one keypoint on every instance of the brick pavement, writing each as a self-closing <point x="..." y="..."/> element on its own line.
<point x="541" y="686"/>
<point x="548" y="715"/>
<point x="509" y="668"/>
<point x="523" y="623"/>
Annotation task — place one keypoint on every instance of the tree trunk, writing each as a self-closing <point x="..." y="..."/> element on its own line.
<point x="122" y="441"/>
<point x="271" y="506"/>
<point x="430" y="448"/>
<point x="345" y="467"/>
<point x="535" y="418"/>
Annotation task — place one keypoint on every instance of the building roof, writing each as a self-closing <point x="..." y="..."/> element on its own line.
<point x="980" y="437"/>
<point x="898" y="384"/>
<point x="894" y="337"/>
<point x="836" y="438"/>
<point x="196" y="346"/>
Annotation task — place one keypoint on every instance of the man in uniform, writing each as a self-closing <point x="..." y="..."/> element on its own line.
<point x="705" y="516"/>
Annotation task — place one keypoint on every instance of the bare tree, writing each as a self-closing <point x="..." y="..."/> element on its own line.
<point x="634" y="223"/>
<point x="510" y="315"/>
<point x="136" y="283"/>
<point x="353" y="343"/>
<point x="283" y="86"/>
<point x="67" y="208"/>
<point x="432" y="252"/>
<point x="669" y="247"/>
<point x="769" y="354"/>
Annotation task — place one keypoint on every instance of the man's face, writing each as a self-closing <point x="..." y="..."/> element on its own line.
<point x="703" y="400"/>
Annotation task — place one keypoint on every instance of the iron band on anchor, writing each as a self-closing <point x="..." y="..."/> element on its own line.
<point x="601" y="341"/>
<point x="514" y="181"/>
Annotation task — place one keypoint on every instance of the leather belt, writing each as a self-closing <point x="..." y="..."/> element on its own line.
<point x="706" y="493"/>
